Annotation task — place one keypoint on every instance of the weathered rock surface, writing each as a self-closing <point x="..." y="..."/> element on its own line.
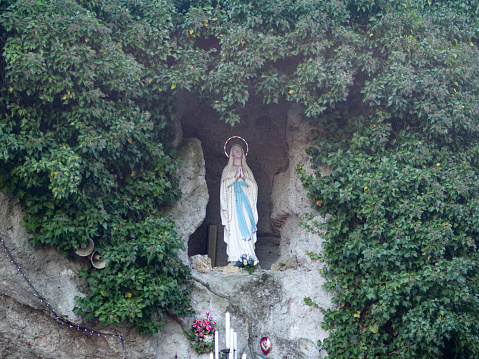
<point x="201" y="263"/>
<point x="289" y="199"/>
<point x="285" y="264"/>
<point x="228" y="269"/>
<point x="267" y="303"/>
<point x="190" y="210"/>
<point x="45" y="267"/>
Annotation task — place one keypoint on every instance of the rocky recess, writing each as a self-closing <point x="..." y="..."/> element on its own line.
<point x="267" y="303"/>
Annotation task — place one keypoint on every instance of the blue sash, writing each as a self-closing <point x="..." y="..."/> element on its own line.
<point x="241" y="199"/>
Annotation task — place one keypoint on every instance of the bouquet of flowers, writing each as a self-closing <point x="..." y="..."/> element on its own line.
<point x="247" y="262"/>
<point x="202" y="335"/>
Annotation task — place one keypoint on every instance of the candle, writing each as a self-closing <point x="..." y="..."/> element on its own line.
<point x="227" y="325"/>
<point x="217" y="351"/>
<point x="211" y="356"/>
<point x="235" y="345"/>
<point x="231" y="338"/>
<point x="244" y="356"/>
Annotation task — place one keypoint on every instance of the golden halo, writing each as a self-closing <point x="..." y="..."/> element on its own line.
<point x="242" y="139"/>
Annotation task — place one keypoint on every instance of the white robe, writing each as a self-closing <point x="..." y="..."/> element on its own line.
<point x="236" y="246"/>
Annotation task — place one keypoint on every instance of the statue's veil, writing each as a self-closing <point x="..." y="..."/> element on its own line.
<point x="230" y="170"/>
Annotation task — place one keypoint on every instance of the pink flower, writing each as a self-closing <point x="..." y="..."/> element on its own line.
<point x="198" y="329"/>
<point x="207" y="321"/>
<point x="211" y="318"/>
<point x="208" y="327"/>
<point x="207" y="313"/>
<point x="202" y="335"/>
<point x="214" y="322"/>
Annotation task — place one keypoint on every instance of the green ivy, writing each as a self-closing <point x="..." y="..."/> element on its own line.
<point x="141" y="275"/>
<point x="401" y="202"/>
<point x="87" y="100"/>
<point x="82" y="146"/>
<point x="401" y="247"/>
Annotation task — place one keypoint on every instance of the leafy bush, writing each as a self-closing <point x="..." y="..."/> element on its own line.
<point x="81" y="146"/>
<point x="142" y="275"/>
<point x="402" y="198"/>
<point x="401" y="245"/>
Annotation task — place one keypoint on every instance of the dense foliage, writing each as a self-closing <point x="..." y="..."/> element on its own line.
<point x="81" y="145"/>
<point x="402" y="198"/>
<point x="87" y="96"/>
<point x="401" y="247"/>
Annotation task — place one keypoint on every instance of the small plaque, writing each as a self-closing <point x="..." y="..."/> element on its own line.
<point x="212" y="236"/>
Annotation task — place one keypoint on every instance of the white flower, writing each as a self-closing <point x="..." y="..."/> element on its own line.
<point x="245" y="262"/>
<point x="256" y="262"/>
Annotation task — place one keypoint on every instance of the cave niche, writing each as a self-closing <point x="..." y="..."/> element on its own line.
<point x="264" y="128"/>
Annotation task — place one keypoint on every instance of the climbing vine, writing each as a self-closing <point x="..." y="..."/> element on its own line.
<point x="401" y="237"/>
<point x="82" y="145"/>
<point x="88" y="98"/>
<point x="401" y="246"/>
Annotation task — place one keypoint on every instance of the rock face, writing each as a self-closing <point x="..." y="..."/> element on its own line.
<point x="267" y="303"/>
<point x="289" y="199"/>
<point x="45" y="268"/>
<point x="27" y="325"/>
<point x="201" y="263"/>
<point x="190" y="210"/>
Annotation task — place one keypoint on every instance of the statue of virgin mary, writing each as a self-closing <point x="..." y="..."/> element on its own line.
<point x="238" y="197"/>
